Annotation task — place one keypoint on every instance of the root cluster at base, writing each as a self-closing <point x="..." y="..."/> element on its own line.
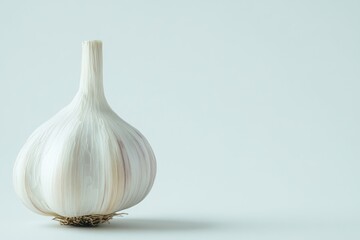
<point x="86" y="220"/>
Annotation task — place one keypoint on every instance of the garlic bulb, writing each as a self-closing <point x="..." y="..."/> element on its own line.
<point x="85" y="163"/>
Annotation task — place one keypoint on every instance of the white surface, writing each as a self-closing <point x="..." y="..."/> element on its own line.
<point x="186" y="227"/>
<point x="251" y="107"/>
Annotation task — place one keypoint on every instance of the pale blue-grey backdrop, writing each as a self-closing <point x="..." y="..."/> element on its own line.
<point x="252" y="108"/>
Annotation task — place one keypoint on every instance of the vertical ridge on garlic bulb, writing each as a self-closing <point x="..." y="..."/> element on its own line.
<point x="86" y="163"/>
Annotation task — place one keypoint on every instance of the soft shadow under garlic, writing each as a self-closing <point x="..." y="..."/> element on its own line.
<point x="148" y="224"/>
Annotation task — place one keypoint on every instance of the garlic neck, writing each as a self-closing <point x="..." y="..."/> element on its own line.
<point x="91" y="80"/>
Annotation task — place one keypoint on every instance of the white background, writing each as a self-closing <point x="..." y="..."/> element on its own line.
<point x="252" y="109"/>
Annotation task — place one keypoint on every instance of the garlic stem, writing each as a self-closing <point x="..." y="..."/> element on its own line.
<point x="91" y="80"/>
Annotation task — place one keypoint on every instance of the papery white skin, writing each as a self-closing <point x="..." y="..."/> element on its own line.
<point x="85" y="160"/>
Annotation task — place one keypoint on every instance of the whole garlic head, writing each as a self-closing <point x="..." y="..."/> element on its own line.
<point x="86" y="160"/>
